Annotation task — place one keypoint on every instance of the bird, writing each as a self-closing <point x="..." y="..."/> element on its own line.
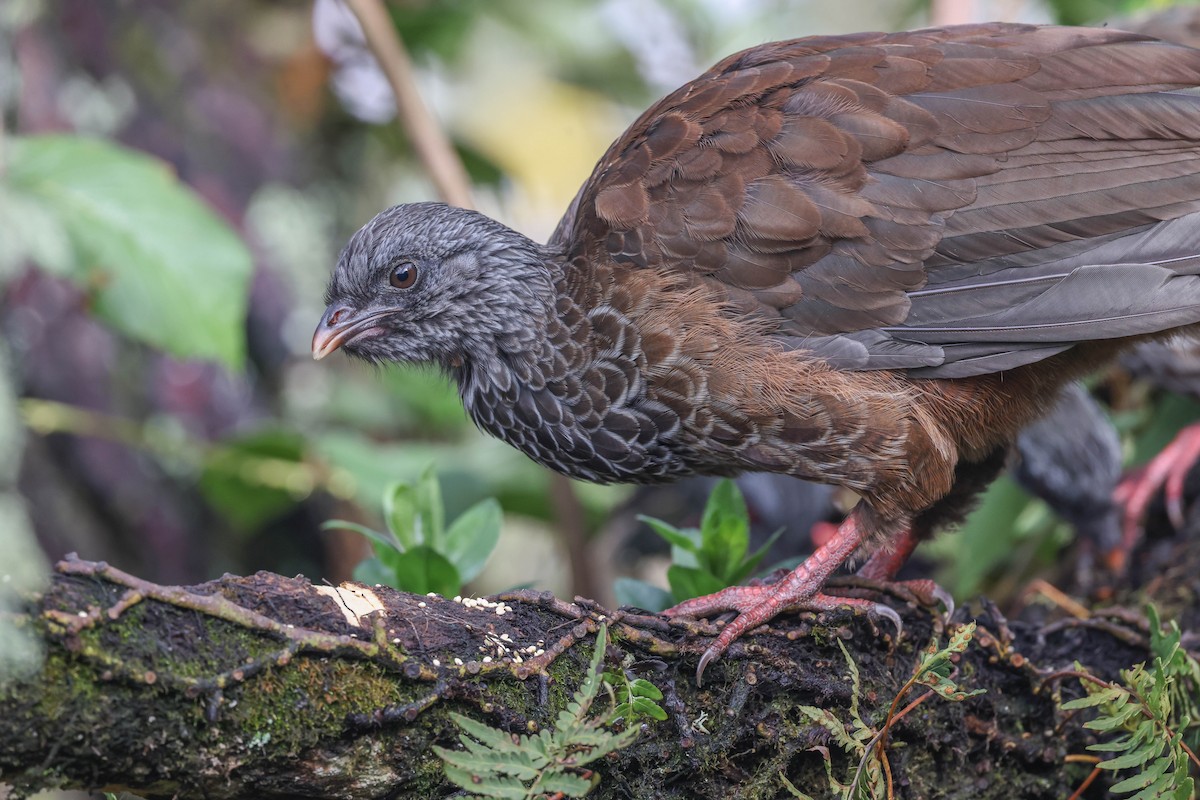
<point x="866" y="260"/>
<point x="1174" y="366"/>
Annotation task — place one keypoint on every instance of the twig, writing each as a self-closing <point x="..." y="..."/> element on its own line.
<point x="431" y="143"/>
<point x="297" y="478"/>
<point x="572" y="523"/>
<point x="1095" y="773"/>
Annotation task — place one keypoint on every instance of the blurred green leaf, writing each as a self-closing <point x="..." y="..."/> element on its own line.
<point x="422" y="570"/>
<point x="751" y="563"/>
<point x="440" y="27"/>
<point x="709" y="559"/>
<point x="31" y="232"/>
<point x="632" y="592"/>
<point x="988" y="536"/>
<point x="689" y="582"/>
<point x="431" y="512"/>
<point x="161" y="266"/>
<point x="1169" y="415"/>
<point x="232" y="483"/>
<point x="380" y="540"/>
<point x="412" y="555"/>
<point x="472" y="538"/>
<point x="372" y="571"/>
<point x="424" y="399"/>
<point x="724" y="530"/>
<point x="401" y="513"/>
<point x="687" y="539"/>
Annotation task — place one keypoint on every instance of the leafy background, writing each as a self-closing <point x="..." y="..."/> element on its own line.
<point x="175" y="182"/>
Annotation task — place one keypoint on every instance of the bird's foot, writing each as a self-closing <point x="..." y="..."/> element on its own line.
<point x="920" y="592"/>
<point x="883" y="565"/>
<point x="1167" y="471"/>
<point x="799" y="589"/>
<point x="759" y="604"/>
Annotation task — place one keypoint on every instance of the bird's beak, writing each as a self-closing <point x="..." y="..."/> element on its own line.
<point x="339" y="324"/>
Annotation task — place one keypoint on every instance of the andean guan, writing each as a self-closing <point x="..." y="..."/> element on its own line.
<point x="866" y="260"/>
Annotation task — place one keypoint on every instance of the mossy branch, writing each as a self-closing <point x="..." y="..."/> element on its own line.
<point x="264" y="686"/>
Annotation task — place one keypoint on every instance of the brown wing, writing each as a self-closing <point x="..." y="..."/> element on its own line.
<point x="951" y="201"/>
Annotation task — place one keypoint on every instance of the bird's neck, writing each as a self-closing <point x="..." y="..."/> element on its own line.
<point x="513" y="351"/>
<point x="540" y="386"/>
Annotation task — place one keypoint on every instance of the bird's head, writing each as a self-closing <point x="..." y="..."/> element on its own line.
<point x="427" y="282"/>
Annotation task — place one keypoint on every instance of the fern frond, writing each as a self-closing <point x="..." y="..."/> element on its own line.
<point x="496" y="764"/>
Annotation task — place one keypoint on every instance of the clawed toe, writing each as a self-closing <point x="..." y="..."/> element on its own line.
<point x="880" y="610"/>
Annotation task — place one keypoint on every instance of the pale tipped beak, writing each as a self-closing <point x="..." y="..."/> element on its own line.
<point x="341" y="324"/>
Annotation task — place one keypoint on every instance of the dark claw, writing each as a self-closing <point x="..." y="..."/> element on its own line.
<point x="1175" y="512"/>
<point x="944" y="597"/>
<point x="710" y="655"/>
<point x="886" y="611"/>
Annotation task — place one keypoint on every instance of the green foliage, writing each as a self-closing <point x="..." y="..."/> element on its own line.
<point x="635" y="698"/>
<point x="936" y="665"/>
<point x="160" y="265"/>
<point x="705" y="560"/>
<point x="1152" y="712"/>
<point x="860" y="739"/>
<point x="418" y="553"/>
<point x="237" y="479"/>
<point x="501" y="765"/>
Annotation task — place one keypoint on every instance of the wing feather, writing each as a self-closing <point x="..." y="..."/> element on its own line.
<point x="952" y="201"/>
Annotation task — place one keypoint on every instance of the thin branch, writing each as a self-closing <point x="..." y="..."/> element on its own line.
<point x="429" y="140"/>
<point x="297" y="478"/>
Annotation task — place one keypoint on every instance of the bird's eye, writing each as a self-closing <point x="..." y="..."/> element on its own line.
<point x="404" y="276"/>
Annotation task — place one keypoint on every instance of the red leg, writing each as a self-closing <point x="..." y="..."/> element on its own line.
<point x="800" y="589"/>
<point x="1168" y="470"/>
<point x="884" y="564"/>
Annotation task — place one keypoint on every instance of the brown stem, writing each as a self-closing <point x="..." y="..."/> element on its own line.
<point x="428" y="139"/>
<point x="1095" y="773"/>
<point x="572" y="523"/>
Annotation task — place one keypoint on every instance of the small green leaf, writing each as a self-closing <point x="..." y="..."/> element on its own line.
<point x="163" y="267"/>
<point x="751" y="563"/>
<point x="372" y="571"/>
<point x="400" y="513"/>
<point x="430" y="510"/>
<point x="632" y="592"/>
<point x="422" y="569"/>
<point x="689" y="582"/>
<point x="724" y="531"/>
<point x="644" y="688"/>
<point x="688" y="540"/>
<point x="648" y="708"/>
<point x="1099" y="698"/>
<point x="472" y="538"/>
<point x="826" y="719"/>
<point x="567" y="783"/>
<point x="385" y="541"/>
<point x="1152" y="749"/>
<point x="489" y="785"/>
<point x="1151" y="776"/>
<point x="494" y="738"/>
<point x="1114" y="720"/>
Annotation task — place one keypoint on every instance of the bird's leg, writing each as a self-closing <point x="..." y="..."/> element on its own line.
<point x="800" y="589"/>
<point x="1167" y="471"/>
<point x="883" y="565"/>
